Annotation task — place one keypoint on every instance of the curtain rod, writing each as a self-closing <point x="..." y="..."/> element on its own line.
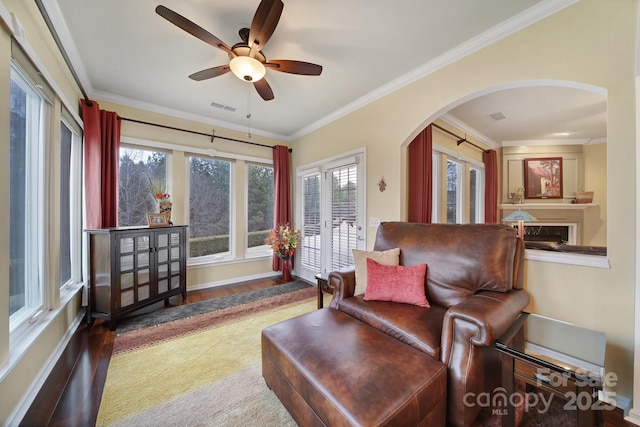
<point x="212" y="135"/>
<point x="54" y="34"/>
<point x="460" y="139"/>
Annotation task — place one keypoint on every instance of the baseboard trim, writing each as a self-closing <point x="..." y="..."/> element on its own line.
<point x="232" y="281"/>
<point x="30" y="395"/>
<point x="633" y="417"/>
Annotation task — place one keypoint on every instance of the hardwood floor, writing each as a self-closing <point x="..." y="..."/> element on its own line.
<point x="72" y="393"/>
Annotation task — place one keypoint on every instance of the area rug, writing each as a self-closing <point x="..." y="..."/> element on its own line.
<point x="205" y="370"/>
<point x="199" y="371"/>
<point x="171" y="314"/>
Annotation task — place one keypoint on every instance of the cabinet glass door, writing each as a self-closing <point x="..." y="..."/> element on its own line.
<point x="169" y="257"/>
<point x="162" y="254"/>
<point x="134" y="268"/>
<point x="175" y="257"/>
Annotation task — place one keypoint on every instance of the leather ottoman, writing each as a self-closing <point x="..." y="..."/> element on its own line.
<point x="329" y="369"/>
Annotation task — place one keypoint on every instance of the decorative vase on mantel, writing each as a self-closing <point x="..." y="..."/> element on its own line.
<point x="165" y="208"/>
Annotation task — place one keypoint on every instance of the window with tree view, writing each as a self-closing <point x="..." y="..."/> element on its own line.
<point x="209" y="207"/>
<point x="25" y="151"/>
<point x="259" y="203"/>
<point x="139" y="171"/>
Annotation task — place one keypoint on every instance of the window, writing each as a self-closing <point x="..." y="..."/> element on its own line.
<point x="458" y="188"/>
<point x="454" y="192"/>
<point x="330" y="214"/>
<point x="435" y="188"/>
<point x="70" y="201"/>
<point x="209" y="207"/>
<point x="476" y="195"/>
<point x="65" y="204"/>
<point x="27" y="121"/>
<point x="259" y="204"/>
<point x="309" y="248"/>
<point x="139" y="171"/>
<point x="343" y="204"/>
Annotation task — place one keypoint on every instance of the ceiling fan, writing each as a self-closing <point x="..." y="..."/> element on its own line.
<point x="246" y="59"/>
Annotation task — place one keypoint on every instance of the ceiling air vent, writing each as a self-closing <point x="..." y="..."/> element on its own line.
<point x="498" y="116"/>
<point x="224" y="107"/>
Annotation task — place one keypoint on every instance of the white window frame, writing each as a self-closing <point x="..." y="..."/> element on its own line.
<point x="75" y="205"/>
<point x="436" y="186"/>
<point x="223" y="256"/>
<point x="322" y="167"/>
<point x="460" y="189"/>
<point x="168" y="164"/>
<point x="36" y="238"/>
<point x="256" y="251"/>
<point x="305" y="270"/>
<point x="479" y="193"/>
<point x="185" y="152"/>
<point x="439" y="177"/>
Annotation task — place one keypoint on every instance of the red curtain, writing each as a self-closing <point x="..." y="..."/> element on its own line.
<point x="101" y="153"/>
<point x="281" y="192"/>
<point x="490" y="159"/>
<point x="420" y="177"/>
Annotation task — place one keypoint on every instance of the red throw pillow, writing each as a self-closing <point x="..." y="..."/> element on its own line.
<point x="396" y="283"/>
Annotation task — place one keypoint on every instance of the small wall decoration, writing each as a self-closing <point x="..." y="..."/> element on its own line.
<point x="382" y="185"/>
<point x="543" y="178"/>
<point x="157" y="220"/>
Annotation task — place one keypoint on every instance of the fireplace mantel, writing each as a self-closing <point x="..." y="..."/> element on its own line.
<point x="547" y="206"/>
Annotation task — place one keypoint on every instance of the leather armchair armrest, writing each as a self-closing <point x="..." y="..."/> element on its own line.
<point x="467" y="331"/>
<point x="343" y="283"/>
<point x="487" y="316"/>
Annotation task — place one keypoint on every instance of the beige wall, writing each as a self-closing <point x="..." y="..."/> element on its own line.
<point x="578" y="44"/>
<point x="18" y="371"/>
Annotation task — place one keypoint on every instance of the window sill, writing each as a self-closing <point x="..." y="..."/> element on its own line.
<point x="20" y="341"/>
<point x="596" y="261"/>
<point x="225" y="261"/>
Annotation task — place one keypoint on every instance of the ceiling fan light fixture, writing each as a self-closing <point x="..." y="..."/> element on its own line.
<point x="247" y="68"/>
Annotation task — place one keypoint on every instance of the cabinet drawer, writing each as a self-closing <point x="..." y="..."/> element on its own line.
<point x="544" y="378"/>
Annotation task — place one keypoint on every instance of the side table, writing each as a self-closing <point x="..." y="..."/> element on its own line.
<point x="323" y="286"/>
<point x="562" y="359"/>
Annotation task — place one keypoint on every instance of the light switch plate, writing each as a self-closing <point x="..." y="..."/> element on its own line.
<point x="374" y="222"/>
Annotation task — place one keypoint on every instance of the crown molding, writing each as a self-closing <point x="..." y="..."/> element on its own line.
<point x="552" y="141"/>
<point x="141" y="105"/>
<point x="522" y="20"/>
<point x="506" y="28"/>
<point x="462" y="126"/>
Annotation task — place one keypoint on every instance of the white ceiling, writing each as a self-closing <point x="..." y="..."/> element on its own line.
<point x="125" y="53"/>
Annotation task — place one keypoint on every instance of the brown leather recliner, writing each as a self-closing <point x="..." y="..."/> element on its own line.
<point x="474" y="284"/>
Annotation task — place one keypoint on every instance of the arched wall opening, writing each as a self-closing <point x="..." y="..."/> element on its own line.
<point x="584" y="156"/>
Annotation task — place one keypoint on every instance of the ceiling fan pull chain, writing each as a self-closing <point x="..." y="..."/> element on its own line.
<point x="249" y="113"/>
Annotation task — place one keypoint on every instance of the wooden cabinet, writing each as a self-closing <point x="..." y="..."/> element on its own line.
<point x="133" y="267"/>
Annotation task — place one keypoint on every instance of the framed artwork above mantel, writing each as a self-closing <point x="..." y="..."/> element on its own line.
<point x="543" y="178"/>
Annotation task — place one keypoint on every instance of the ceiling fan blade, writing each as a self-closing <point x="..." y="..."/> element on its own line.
<point x="264" y="23"/>
<point x="264" y="89"/>
<point x="295" y="67"/>
<point x="210" y="73"/>
<point x="191" y="28"/>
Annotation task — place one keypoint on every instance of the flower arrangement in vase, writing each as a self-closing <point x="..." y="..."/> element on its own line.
<point x="162" y="198"/>
<point x="284" y="240"/>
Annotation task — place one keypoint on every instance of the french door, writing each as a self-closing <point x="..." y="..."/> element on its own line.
<point x="330" y="215"/>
